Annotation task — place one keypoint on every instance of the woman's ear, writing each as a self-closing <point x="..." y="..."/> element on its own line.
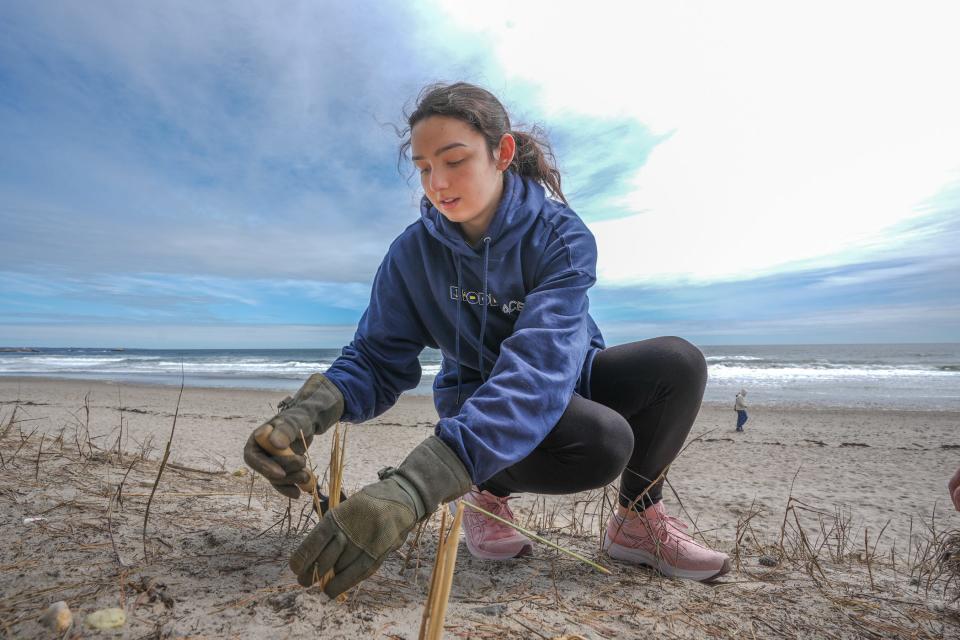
<point x="506" y="151"/>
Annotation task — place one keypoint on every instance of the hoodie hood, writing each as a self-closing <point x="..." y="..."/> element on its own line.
<point x="510" y="317"/>
<point x="516" y="213"/>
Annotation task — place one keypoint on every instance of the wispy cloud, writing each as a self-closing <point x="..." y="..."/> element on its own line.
<point x="600" y="158"/>
<point x="191" y="335"/>
<point x="797" y="133"/>
<point x="905" y="299"/>
<point x="225" y="138"/>
<point x="161" y="297"/>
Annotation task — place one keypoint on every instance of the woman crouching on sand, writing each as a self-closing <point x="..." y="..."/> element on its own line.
<point x="495" y="274"/>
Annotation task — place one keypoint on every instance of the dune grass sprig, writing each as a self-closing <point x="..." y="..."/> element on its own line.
<point x="338" y="451"/>
<point x="315" y="494"/>
<point x="163" y="462"/>
<point x="435" y="610"/>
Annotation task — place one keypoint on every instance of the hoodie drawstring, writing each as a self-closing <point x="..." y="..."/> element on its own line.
<point x="456" y="260"/>
<point x="483" y="317"/>
<point x="483" y="314"/>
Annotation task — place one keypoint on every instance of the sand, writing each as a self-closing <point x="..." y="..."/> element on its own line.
<point x="217" y="538"/>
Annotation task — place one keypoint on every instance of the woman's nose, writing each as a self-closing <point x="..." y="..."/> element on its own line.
<point x="438" y="180"/>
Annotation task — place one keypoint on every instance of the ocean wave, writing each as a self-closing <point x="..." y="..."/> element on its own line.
<point x="822" y="365"/>
<point x="245" y="367"/>
<point x="59" y="361"/>
<point x="823" y="372"/>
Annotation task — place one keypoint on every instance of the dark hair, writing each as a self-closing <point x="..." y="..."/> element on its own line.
<point x="481" y="110"/>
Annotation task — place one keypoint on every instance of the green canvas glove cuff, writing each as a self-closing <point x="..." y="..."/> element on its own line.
<point x="314" y="409"/>
<point x="431" y="474"/>
<point x="354" y="538"/>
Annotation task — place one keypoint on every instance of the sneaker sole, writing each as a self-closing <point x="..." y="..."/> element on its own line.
<point x="477" y="552"/>
<point x="639" y="556"/>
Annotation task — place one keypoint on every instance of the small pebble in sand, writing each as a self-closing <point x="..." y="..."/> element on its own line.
<point x="106" y="618"/>
<point x="57" y="617"/>
<point x="769" y="561"/>
<point x="492" y="610"/>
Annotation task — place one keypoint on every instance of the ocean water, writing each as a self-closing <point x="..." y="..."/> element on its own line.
<point x="889" y="376"/>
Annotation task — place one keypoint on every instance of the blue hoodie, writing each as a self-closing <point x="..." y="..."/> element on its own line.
<point x="521" y="295"/>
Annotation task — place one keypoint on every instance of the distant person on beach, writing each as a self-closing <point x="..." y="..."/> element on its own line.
<point x="954" y="487"/>
<point x="495" y="274"/>
<point x="740" y="406"/>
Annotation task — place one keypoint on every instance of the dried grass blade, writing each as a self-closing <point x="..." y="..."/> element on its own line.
<point x="335" y="473"/>
<point x="451" y="543"/>
<point x="428" y="608"/>
<point x="316" y="485"/>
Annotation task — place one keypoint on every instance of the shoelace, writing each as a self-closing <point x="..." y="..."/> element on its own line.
<point x="668" y="531"/>
<point x="499" y="507"/>
<point x="662" y="528"/>
<point x="503" y="509"/>
<point x="679" y="525"/>
<point x="679" y="529"/>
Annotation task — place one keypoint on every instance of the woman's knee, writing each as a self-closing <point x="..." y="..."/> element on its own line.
<point x="612" y="447"/>
<point x="686" y="360"/>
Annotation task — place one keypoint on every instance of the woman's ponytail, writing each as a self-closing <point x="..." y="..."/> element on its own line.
<point x="481" y="110"/>
<point x="534" y="159"/>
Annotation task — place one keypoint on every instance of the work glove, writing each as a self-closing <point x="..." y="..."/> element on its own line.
<point x="315" y="407"/>
<point x="355" y="537"/>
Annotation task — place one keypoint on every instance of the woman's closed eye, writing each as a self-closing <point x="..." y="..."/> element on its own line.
<point x="450" y="163"/>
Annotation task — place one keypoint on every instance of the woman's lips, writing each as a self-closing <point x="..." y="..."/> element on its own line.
<point x="449" y="203"/>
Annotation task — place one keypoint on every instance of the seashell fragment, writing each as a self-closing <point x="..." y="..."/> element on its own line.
<point x="106" y="618"/>
<point x="57" y="617"/>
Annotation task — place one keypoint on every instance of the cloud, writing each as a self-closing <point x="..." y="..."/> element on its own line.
<point x="797" y="132"/>
<point x="741" y="166"/>
<point x="871" y="324"/>
<point x="599" y="158"/>
<point x="161" y="297"/>
<point x="177" y="336"/>
<point x="231" y="139"/>
<point x="905" y="299"/>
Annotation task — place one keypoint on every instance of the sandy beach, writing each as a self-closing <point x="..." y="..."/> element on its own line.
<point x="847" y="509"/>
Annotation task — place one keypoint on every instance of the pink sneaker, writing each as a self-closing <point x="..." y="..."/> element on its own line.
<point x="490" y="539"/>
<point x="660" y="541"/>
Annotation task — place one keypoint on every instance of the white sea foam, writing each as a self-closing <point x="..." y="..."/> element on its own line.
<point x="896" y="376"/>
<point x="835" y="372"/>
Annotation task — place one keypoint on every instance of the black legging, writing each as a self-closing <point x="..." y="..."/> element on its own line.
<point x="645" y="397"/>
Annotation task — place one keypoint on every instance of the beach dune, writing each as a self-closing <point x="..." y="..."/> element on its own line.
<point x="836" y="519"/>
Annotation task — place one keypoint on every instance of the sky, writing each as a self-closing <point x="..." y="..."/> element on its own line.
<point x="226" y="175"/>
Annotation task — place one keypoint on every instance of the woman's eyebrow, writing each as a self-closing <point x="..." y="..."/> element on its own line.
<point x="441" y="150"/>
